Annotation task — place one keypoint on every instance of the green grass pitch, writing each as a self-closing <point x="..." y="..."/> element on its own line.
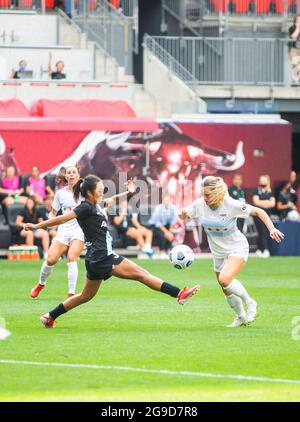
<point x="131" y="326"/>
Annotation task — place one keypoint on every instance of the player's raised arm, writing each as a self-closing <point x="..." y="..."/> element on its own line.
<point x="130" y="188"/>
<point x="191" y="211"/>
<point x="55" y="221"/>
<point x="183" y="214"/>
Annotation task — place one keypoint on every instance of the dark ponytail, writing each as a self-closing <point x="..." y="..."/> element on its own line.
<point x="77" y="189"/>
<point x="83" y="186"/>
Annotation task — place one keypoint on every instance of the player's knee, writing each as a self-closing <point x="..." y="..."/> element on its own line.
<point x="86" y="296"/>
<point x="51" y="261"/>
<point x="142" y="275"/>
<point x="72" y="257"/>
<point x="224" y="280"/>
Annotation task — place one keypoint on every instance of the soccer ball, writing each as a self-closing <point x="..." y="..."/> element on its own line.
<point x="181" y="257"/>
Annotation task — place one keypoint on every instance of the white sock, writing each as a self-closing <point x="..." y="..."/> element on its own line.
<point x="236" y="304"/>
<point x="46" y="270"/>
<point x="72" y="276"/>
<point x="236" y="288"/>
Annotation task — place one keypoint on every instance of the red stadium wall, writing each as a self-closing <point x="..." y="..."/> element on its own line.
<point x="182" y="150"/>
<point x="266" y="147"/>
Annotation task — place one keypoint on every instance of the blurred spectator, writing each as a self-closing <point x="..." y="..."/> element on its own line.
<point x="10" y="188"/>
<point x="237" y="192"/>
<point x="285" y="205"/>
<point x="128" y="225"/>
<point x="36" y="186"/>
<point x="294" y="49"/>
<point x="264" y="198"/>
<point x="59" y="67"/>
<point x="293" y="181"/>
<point x="7" y="159"/>
<point x="297" y="189"/>
<point x="43" y="215"/>
<point x="22" y="71"/>
<point x="60" y="179"/>
<point x="162" y="222"/>
<point x="30" y="215"/>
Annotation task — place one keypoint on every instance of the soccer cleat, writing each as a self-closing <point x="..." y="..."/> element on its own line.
<point x="186" y="293"/>
<point x="251" y="312"/>
<point x="36" y="290"/>
<point x="47" y="321"/>
<point x="238" y="322"/>
<point x="70" y="295"/>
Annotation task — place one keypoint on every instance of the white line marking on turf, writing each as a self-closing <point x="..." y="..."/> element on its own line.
<point x="155" y="371"/>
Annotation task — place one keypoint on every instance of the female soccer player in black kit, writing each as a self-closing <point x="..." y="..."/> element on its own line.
<point x="100" y="261"/>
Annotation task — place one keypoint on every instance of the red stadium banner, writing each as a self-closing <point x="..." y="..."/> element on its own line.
<point x="161" y="151"/>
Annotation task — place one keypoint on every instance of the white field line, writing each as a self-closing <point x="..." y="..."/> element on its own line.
<point x="155" y="371"/>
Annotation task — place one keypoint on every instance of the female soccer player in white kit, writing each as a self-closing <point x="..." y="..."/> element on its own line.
<point x="69" y="238"/>
<point x="218" y="213"/>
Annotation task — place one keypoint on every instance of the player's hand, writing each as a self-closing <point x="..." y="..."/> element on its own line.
<point x="183" y="215"/>
<point x="169" y="236"/>
<point x="130" y="186"/>
<point x="29" y="226"/>
<point x="277" y="235"/>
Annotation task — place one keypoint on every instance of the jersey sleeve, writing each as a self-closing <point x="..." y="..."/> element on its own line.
<point x="239" y="209"/>
<point x="56" y="203"/>
<point x="195" y="210"/>
<point x="82" y="211"/>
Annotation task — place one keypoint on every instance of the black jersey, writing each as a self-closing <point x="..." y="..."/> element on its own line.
<point x="264" y="195"/>
<point x="94" y="226"/>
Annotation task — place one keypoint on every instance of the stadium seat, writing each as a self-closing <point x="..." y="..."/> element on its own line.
<point x="24" y="180"/>
<point x="293" y="7"/>
<point x="217" y="6"/>
<point x="5" y="236"/>
<point x="267" y="6"/>
<point x="50" y="180"/>
<point x="12" y="212"/>
<point x="25" y="4"/>
<point x="115" y="3"/>
<point x="5" y="233"/>
<point x="4" y="3"/>
<point x="239" y="6"/>
<point x="50" y="4"/>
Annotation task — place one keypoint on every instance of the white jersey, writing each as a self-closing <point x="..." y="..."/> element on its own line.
<point x="64" y="201"/>
<point x="223" y="236"/>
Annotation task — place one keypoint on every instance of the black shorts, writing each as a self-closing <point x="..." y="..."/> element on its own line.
<point x="101" y="270"/>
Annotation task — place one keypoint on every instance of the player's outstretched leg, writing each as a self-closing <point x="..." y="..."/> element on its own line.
<point x="129" y="270"/>
<point x="90" y="289"/>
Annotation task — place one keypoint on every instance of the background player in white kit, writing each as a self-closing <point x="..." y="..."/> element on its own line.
<point x="230" y="249"/>
<point x="69" y="239"/>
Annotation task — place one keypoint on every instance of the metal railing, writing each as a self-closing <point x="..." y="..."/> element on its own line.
<point x="243" y="61"/>
<point x="108" y="27"/>
<point x="191" y="10"/>
<point x="169" y="61"/>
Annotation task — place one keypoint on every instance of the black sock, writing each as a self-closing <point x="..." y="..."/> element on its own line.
<point x="59" y="310"/>
<point x="169" y="289"/>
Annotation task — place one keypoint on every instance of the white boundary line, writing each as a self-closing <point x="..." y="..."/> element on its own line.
<point x="155" y="371"/>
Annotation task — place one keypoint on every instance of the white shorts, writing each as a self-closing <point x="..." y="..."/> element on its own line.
<point x="66" y="237"/>
<point x="219" y="262"/>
